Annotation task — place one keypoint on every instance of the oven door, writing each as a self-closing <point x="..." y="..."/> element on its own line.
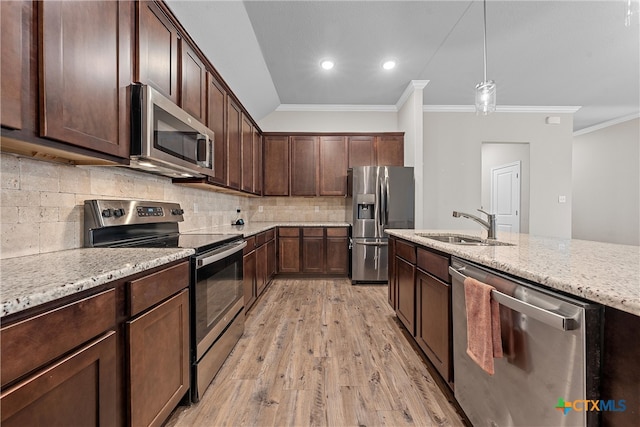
<point x="217" y="293"/>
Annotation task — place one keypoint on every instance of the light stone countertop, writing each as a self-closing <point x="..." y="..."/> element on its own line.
<point x="605" y="273"/>
<point x="35" y="279"/>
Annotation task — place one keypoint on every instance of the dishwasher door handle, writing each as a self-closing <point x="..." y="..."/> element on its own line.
<point x="549" y="318"/>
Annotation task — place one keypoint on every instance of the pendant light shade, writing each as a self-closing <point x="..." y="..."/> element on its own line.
<point x="486" y="97"/>
<point x="485" y="90"/>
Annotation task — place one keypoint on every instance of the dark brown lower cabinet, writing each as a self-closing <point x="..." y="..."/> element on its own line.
<point x="261" y="269"/>
<point x="158" y="342"/>
<point x="337" y="247"/>
<point x="78" y="390"/>
<point x="271" y="259"/>
<point x="289" y="250"/>
<point x="405" y="278"/>
<point x="313" y="249"/>
<point x="433" y="314"/>
<point x="249" y="279"/>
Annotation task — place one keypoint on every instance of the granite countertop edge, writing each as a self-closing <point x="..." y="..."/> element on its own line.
<point x="604" y="273"/>
<point x="253" y="228"/>
<point x="75" y="270"/>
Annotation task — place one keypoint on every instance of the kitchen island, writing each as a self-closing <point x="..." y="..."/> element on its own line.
<point x="605" y="273"/>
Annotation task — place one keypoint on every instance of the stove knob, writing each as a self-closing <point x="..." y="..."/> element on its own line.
<point x="177" y="211"/>
<point x="118" y="212"/>
<point x="107" y="213"/>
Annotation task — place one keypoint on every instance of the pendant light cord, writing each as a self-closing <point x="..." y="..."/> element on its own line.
<point x="485" y="40"/>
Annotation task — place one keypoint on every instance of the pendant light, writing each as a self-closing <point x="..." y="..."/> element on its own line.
<point x="485" y="90"/>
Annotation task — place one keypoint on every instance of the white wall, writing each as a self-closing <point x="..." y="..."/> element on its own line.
<point x="330" y="121"/>
<point x="452" y="166"/>
<point x="606" y="184"/>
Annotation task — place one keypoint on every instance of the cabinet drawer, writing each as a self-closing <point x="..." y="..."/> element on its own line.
<point x="150" y="290"/>
<point x="251" y="245"/>
<point x="288" y="231"/>
<point x="406" y="251"/>
<point x="261" y="238"/>
<point x="337" y="232"/>
<point x="270" y="234"/>
<point x="435" y="264"/>
<point x="312" y="232"/>
<point x="33" y="342"/>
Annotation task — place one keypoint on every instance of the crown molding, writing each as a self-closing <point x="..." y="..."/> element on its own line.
<point x="606" y="124"/>
<point x="411" y="87"/>
<point x="503" y="109"/>
<point x="337" y="108"/>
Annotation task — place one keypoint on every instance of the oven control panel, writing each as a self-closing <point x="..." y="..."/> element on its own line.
<point x="150" y="211"/>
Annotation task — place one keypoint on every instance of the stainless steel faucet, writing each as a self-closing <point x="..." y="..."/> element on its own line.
<point x="490" y="225"/>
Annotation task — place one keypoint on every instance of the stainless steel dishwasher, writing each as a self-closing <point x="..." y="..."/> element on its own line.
<point x="551" y="346"/>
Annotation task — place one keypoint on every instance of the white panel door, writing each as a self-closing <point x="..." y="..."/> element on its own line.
<point x="505" y="196"/>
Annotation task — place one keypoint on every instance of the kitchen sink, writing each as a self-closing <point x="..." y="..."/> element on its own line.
<point x="458" y="239"/>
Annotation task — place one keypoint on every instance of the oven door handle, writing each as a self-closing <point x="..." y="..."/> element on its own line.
<point x="207" y="259"/>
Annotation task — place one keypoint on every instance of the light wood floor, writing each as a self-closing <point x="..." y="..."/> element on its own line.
<point x="321" y="353"/>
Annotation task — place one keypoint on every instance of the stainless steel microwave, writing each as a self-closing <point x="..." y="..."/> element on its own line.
<point x="165" y="139"/>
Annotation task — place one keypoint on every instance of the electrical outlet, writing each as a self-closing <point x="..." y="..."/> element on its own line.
<point x="260" y="209"/>
<point x="317" y="208"/>
<point x="562" y="199"/>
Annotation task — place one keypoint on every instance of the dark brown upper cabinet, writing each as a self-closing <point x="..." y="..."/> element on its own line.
<point x="332" y="167"/>
<point x="85" y="50"/>
<point x="390" y="150"/>
<point x="362" y="151"/>
<point x="257" y="162"/>
<point x="276" y="166"/>
<point x="304" y="151"/>
<point x="11" y="73"/>
<point x="194" y="84"/>
<point x="247" y="154"/>
<point x="217" y="122"/>
<point x="158" y="58"/>
<point x="234" y="144"/>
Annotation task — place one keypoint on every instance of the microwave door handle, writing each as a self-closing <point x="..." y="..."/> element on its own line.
<point x="202" y="141"/>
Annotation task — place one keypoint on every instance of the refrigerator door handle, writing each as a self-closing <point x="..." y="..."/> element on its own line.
<point x="371" y="243"/>
<point x="386" y="201"/>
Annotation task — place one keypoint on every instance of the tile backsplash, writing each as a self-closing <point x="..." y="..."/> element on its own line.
<point x="41" y="205"/>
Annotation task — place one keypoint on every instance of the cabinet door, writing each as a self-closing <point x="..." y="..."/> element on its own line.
<point x="405" y="278"/>
<point x="247" y="154"/>
<point x="337" y="247"/>
<point x="361" y="151"/>
<point x="249" y="280"/>
<point x="303" y="165"/>
<point x="234" y="144"/>
<point x="261" y="268"/>
<point x="85" y="72"/>
<point x="276" y="165"/>
<point x="158" y="60"/>
<point x="158" y="343"/>
<point x="217" y="121"/>
<point x="271" y="259"/>
<point x="194" y="84"/>
<point x="332" y="167"/>
<point x="289" y="250"/>
<point x="78" y="390"/>
<point x="11" y="64"/>
<point x="257" y="162"/>
<point x="313" y="250"/>
<point x="433" y="332"/>
<point x="390" y="150"/>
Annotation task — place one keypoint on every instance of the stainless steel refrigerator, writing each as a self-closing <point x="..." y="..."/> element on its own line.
<point x="382" y="197"/>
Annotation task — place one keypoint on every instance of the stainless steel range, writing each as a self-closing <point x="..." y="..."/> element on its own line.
<point x="216" y="293"/>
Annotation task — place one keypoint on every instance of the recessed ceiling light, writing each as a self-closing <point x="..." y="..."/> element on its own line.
<point x="327" y="64"/>
<point x="389" y="65"/>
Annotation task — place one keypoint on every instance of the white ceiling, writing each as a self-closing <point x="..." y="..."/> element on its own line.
<point x="540" y="53"/>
